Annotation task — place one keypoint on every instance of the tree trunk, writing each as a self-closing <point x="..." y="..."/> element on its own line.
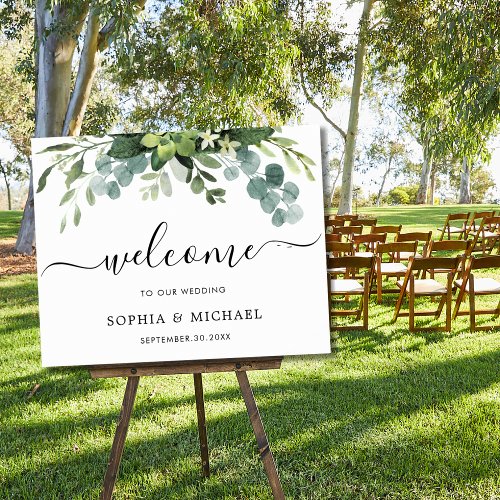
<point x="465" y="194"/>
<point x="432" y="187"/>
<point x="345" y="205"/>
<point x="53" y="86"/>
<point x="424" y="176"/>
<point x="7" y="185"/>
<point x="384" y="178"/>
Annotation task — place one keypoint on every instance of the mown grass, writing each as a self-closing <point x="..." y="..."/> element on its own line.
<point x="9" y="223"/>
<point x="387" y="415"/>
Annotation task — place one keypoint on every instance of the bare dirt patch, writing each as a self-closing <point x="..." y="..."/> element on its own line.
<point x="13" y="263"/>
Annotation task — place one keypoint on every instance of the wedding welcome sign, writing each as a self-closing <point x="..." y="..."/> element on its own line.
<point x="180" y="246"/>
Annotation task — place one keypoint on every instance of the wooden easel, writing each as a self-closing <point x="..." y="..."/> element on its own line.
<point x="239" y="366"/>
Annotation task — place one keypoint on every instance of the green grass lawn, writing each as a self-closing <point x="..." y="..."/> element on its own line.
<point x="387" y="415"/>
<point x="9" y="223"/>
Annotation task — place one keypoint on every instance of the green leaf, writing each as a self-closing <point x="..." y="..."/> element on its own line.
<point x="207" y="160"/>
<point x="67" y="196"/>
<point x="90" y="196"/>
<point x="279" y="217"/>
<point x="156" y="163"/>
<point x="103" y="165"/>
<point x="197" y="185"/>
<point x="98" y="185"/>
<point x="283" y="141"/>
<point x="150" y="140"/>
<point x="137" y="164"/>
<point x="189" y="176"/>
<point x="207" y="176"/>
<point x="149" y="177"/>
<point x="185" y="147"/>
<point x="290" y="193"/>
<point x="270" y="202"/>
<point x="154" y="192"/>
<point x="265" y="150"/>
<point x="126" y="146"/>
<point x="250" y="161"/>
<point x="231" y="173"/>
<point x="122" y="175"/>
<point x="257" y="188"/>
<point x="113" y="190"/>
<point x="145" y="196"/>
<point x="63" y="224"/>
<point x="274" y="175"/>
<point x="190" y="134"/>
<point x="166" y="151"/>
<point x="43" y="179"/>
<point x="165" y="184"/>
<point x="210" y="198"/>
<point x="74" y="172"/>
<point x="217" y="192"/>
<point x="305" y="159"/>
<point x="179" y="170"/>
<point x="294" y="214"/>
<point x="309" y="174"/>
<point x="58" y="147"/>
<point x="250" y="136"/>
<point x="77" y="216"/>
<point x="221" y="200"/>
<point x="291" y="163"/>
<point x="186" y="161"/>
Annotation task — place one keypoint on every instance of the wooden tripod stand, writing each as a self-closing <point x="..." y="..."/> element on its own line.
<point x="239" y="366"/>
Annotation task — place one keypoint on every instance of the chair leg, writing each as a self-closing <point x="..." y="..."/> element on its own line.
<point x="365" y="303"/>
<point x="472" y="304"/>
<point x="448" y="304"/>
<point x="379" y="288"/>
<point x="411" y="305"/>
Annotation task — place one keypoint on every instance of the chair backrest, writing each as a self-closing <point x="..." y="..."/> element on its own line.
<point x="432" y="263"/>
<point x="463" y="216"/>
<point x="448" y="246"/>
<point x="365" y="221"/>
<point x="368" y="240"/>
<point x="334" y="223"/>
<point x="394" y="249"/>
<point x="488" y="262"/>
<point x="351" y="262"/>
<point x="339" y="248"/>
<point x="416" y="236"/>
<point x="347" y="230"/>
<point x="475" y="218"/>
<point x="386" y="229"/>
<point x="332" y="237"/>
<point x="491" y="223"/>
<point x="345" y="217"/>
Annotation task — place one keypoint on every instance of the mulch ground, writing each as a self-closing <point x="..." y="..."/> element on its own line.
<point x="13" y="263"/>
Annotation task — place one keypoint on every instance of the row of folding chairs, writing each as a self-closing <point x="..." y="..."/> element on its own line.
<point x="412" y="283"/>
<point x="463" y="224"/>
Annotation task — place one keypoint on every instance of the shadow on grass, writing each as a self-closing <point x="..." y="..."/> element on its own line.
<point x="306" y="416"/>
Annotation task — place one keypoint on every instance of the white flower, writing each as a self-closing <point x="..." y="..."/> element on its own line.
<point x="227" y="147"/>
<point x="208" y="139"/>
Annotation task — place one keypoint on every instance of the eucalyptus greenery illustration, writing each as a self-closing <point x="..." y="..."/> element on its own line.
<point x="190" y="156"/>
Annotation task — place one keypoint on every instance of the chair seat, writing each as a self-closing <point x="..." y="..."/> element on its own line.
<point x="393" y="267"/>
<point x="346" y="286"/>
<point x="482" y="285"/>
<point x="485" y="234"/>
<point x="363" y="254"/>
<point x="425" y="287"/>
<point x="407" y="255"/>
<point x="337" y="270"/>
<point x="452" y="229"/>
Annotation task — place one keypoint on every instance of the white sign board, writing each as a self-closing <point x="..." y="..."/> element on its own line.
<point x="180" y="246"/>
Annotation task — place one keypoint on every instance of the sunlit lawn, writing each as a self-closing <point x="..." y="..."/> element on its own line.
<point x="387" y="415"/>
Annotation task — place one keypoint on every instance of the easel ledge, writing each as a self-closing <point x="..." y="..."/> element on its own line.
<point x="133" y="372"/>
<point x="184" y="367"/>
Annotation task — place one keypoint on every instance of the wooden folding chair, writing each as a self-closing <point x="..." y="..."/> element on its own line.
<point x="475" y="220"/>
<point x="393" y="268"/>
<point x="450" y="229"/>
<point x="329" y="225"/>
<point x="347" y="231"/>
<point x="386" y="229"/>
<point x="421" y="237"/>
<point x="487" y="236"/>
<point x="347" y="217"/>
<point x="365" y="222"/>
<point x="348" y="286"/>
<point x="464" y="247"/>
<point x="332" y="237"/>
<point x="412" y="288"/>
<point x="475" y="285"/>
<point x="368" y="242"/>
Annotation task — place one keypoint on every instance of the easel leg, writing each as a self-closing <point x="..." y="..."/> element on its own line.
<point x="260" y="434"/>
<point x="202" y="428"/>
<point x="120" y="435"/>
